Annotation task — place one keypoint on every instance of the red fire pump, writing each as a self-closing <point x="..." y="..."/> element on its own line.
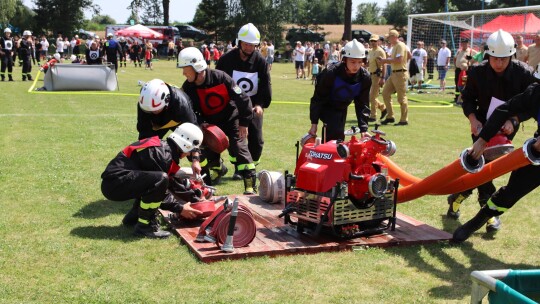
<point x="342" y="187"/>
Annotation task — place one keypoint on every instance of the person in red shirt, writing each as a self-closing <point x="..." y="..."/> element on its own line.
<point x="206" y="54"/>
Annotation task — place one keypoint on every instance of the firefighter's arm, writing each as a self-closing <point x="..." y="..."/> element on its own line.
<point x="195" y="162"/>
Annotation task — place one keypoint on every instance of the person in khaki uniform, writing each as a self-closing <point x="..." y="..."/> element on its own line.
<point x="533" y="52"/>
<point x="397" y="82"/>
<point x="377" y="72"/>
<point x="521" y="49"/>
<point x="462" y="62"/>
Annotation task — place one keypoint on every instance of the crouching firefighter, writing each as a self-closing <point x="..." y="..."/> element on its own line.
<point x="522" y="181"/>
<point x="218" y="100"/>
<point x="145" y="170"/>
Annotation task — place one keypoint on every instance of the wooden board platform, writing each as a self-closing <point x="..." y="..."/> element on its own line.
<point x="275" y="238"/>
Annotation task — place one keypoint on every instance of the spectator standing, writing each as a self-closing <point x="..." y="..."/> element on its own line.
<point x="66" y="48"/>
<point x="72" y="44"/>
<point x="315" y="70"/>
<point x="264" y="49"/>
<point x="77" y="47"/>
<point x="521" y="49"/>
<point x="170" y="50"/>
<point x="60" y="45"/>
<point x="44" y="52"/>
<point x="397" y="82"/>
<point x="319" y="53"/>
<point x="443" y="62"/>
<point x="270" y="56"/>
<point x="420" y="56"/>
<point x="376" y="71"/>
<point x="308" y="58"/>
<point x="248" y="68"/>
<point x="334" y="54"/>
<point x="533" y="52"/>
<point x="299" y="57"/>
<point x="462" y="63"/>
<point x="432" y="57"/>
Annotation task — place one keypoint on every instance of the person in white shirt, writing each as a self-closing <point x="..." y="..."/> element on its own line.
<point x="298" y="55"/>
<point x="60" y="45"/>
<point x="270" y="55"/>
<point x="443" y="62"/>
<point x="420" y="56"/>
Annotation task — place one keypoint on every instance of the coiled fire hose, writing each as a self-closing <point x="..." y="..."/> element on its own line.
<point x="215" y="229"/>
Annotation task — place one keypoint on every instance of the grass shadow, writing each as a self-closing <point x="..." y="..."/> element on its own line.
<point x="103" y="208"/>
<point x="447" y="268"/>
<point x="117" y="233"/>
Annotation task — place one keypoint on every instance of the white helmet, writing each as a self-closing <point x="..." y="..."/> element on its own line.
<point x="7" y="30"/>
<point x="154" y="95"/>
<point x="501" y="44"/>
<point x="354" y="49"/>
<point x="56" y="56"/>
<point x="110" y="35"/>
<point x="249" y="33"/>
<point x="191" y="56"/>
<point x="187" y="137"/>
<point x="27" y="33"/>
<point x="73" y="57"/>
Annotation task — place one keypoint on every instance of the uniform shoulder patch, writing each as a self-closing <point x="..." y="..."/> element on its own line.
<point x="237" y="90"/>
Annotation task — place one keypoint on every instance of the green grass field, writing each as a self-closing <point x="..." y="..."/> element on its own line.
<point x="61" y="242"/>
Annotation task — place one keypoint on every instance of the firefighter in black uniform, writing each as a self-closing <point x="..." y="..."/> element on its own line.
<point x="7" y="46"/>
<point x="25" y="53"/>
<point x="94" y="55"/>
<point x="337" y="86"/>
<point x="112" y="50"/>
<point x="135" y="53"/>
<point x="250" y="71"/>
<point x="218" y="100"/>
<point x="500" y="77"/>
<point x="125" y="49"/>
<point x="523" y="180"/>
<point x="161" y="108"/>
<point x="145" y="170"/>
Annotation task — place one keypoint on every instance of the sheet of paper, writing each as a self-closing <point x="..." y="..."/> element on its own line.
<point x="493" y="105"/>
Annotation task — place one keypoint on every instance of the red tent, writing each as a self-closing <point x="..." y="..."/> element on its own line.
<point x="139" y="31"/>
<point x="514" y="24"/>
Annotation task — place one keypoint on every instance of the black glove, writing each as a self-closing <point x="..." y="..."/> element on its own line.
<point x="468" y="57"/>
<point x="179" y="187"/>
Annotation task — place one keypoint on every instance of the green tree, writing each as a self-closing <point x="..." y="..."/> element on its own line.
<point x="103" y="19"/>
<point x="396" y="13"/>
<point x="148" y="11"/>
<point x="7" y="11"/>
<point x="23" y="17"/>
<point x="213" y="16"/>
<point x="368" y="13"/>
<point x="62" y="16"/>
<point x="510" y="3"/>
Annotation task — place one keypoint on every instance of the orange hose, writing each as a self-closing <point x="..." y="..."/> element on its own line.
<point x="426" y="185"/>
<point x="394" y="171"/>
<point x="496" y="168"/>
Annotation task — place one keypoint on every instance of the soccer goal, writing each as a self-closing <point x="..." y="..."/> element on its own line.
<point x="473" y="25"/>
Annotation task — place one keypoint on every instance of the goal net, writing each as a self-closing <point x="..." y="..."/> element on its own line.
<point x="473" y="25"/>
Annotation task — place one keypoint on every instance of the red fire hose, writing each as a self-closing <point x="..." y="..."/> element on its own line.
<point x="214" y="228"/>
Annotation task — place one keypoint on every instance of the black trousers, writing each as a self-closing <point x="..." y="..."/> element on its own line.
<point x="150" y="186"/>
<point x="430" y="66"/>
<point x="456" y="79"/>
<point x="7" y="62"/>
<point x="522" y="181"/>
<point x="27" y="65"/>
<point x="335" y="123"/>
<point x="255" y="138"/>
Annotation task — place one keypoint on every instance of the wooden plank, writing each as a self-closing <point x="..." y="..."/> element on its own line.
<point x="274" y="238"/>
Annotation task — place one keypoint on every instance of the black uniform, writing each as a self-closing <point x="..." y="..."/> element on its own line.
<point x="7" y="46"/>
<point x="94" y="56"/>
<point x="334" y="93"/>
<point x="113" y="50"/>
<point x="125" y="49"/>
<point x="253" y="78"/>
<point x="221" y="102"/>
<point x="135" y="53"/>
<point x="177" y="111"/>
<point x="25" y="53"/>
<point x="483" y="84"/>
<point x="523" y="180"/>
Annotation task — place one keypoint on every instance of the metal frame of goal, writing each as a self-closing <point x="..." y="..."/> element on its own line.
<point x="474" y="25"/>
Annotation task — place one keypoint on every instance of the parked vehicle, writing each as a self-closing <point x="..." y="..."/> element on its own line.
<point x="169" y="33"/>
<point x="188" y="31"/>
<point x="302" y="34"/>
<point x="83" y="34"/>
<point x="360" y="35"/>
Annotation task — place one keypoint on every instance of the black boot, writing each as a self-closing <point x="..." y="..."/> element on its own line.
<point x="24" y="78"/>
<point x="130" y="219"/>
<point x="29" y="77"/>
<point x="217" y="172"/>
<point x="3" y="77"/>
<point x="454" y="203"/>
<point x="464" y="232"/>
<point x="493" y="225"/>
<point x="147" y="225"/>
<point x="250" y="182"/>
<point x="10" y="78"/>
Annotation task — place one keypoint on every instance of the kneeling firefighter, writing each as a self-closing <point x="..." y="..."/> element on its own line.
<point x="145" y="170"/>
